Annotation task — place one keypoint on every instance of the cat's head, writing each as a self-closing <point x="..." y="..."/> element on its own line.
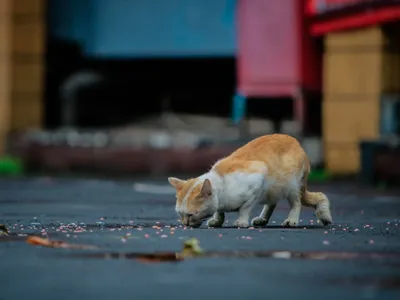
<point x="195" y="200"/>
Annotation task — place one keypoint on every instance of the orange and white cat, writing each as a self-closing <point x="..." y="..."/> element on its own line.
<point x="264" y="171"/>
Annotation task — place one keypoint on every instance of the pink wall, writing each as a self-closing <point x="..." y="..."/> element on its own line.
<point x="276" y="56"/>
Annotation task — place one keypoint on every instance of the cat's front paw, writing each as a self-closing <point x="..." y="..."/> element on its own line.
<point x="290" y="223"/>
<point x="214" y="222"/>
<point x="258" y="221"/>
<point x="241" y="224"/>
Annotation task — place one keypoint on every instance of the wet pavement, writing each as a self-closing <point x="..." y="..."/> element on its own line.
<point x="355" y="258"/>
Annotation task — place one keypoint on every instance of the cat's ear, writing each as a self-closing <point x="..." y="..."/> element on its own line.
<point x="176" y="182"/>
<point x="206" y="189"/>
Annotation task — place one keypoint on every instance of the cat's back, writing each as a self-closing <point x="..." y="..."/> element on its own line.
<point x="281" y="154"/>
<point x="268" y="146"/>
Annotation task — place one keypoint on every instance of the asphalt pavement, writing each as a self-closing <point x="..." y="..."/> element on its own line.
<point x="358" y="257"/>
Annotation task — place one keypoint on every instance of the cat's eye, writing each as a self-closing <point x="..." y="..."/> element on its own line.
<point x="190" y="215"/>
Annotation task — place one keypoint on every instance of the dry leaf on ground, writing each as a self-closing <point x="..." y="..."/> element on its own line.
<point x="38" y="241"/>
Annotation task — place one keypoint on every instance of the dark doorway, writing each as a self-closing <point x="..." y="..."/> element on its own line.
<point x="136" y="88"/>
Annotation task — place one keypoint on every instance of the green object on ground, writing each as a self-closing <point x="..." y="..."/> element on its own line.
<point x="10" y="166"/>
<point x="319" y="175"/>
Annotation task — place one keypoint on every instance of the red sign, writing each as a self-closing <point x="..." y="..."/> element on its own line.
<point x="351" y="14"/>
<point x="322" y="6"/>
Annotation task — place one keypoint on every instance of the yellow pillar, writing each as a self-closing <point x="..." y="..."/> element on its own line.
<point x="22" y="36"/>
<point x="28" y="64"/>
<point x="358" y="68"/>
<point x="5" y="71"/>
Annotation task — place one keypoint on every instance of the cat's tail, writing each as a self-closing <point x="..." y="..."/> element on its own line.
<point x="321" y="204"/>
<point x="317" y="200"/>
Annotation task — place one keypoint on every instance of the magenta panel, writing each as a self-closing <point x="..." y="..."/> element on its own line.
<point x="269" y="47"/>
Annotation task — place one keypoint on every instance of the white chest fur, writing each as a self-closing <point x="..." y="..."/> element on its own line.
<point x="237" y="188"/>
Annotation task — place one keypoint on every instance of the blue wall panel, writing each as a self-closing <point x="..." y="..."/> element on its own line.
<point x="147" y="28"/>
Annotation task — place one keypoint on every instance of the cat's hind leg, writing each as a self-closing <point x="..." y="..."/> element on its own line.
<point x="295" y="209"/>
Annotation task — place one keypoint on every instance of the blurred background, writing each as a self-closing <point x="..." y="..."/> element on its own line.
<point x="157" y="87"/>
